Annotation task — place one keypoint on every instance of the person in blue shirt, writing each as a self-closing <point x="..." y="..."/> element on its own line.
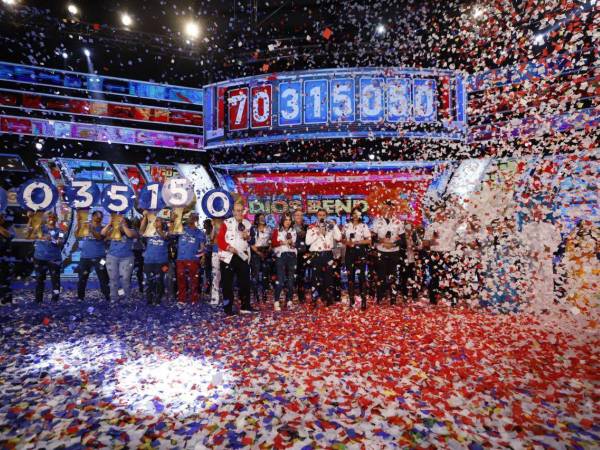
<point x="156" y="259"/>
<point x="47" y="256"/>
<point x="7" y="234"/>
<point x="119" y="259"/>
<point x="190" y="257"/>
<point x="93" y="254"/>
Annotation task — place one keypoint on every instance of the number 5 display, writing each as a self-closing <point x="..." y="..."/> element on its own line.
<point x="118" y="198"/>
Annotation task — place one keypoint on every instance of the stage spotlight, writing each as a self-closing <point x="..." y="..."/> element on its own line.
<point x="380" y="29"/>
<point x="64" y="55"/>
<point x="73" y="9"/>
<point x="192" y="30"/>
<point x="126" y="19"/>
<point x="86" y="52"/>
<point x="371" y="156"/>
<point x="39" y="145"/>
<point x="9" y="2"/>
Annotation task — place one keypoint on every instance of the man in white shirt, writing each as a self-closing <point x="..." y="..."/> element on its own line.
<point x="386" y="233"/>
<point x="234" y="253"/>
<point x="320" y="239"/>
<point x="440" y="239"/>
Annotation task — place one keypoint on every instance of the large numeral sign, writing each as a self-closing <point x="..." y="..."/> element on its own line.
<point x="217" y="204"/>
<point x="178" y="192"/>
<point x="342" y="100"/>
<point x="424" y="100"/>
<point x="290" y="103"/>
<point x="37" y="195"/>
<point x="399" y="103"/>
<point x="371" y="99"/>
<point x="82" y="194"/>
<point x="118" y="198"/>
<point x="315" y="101"/>
<point x="261" y="106"/>
<point x="238" y="109"/>
<point x="150" y="197"/>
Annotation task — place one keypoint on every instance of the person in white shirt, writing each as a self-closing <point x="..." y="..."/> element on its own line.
<point x="440" y="240"/>
<point x="386" y="233"/>
<point x="357" y="238"/>
<point x="260" y="260"/>
<point x="234" y="254"/>
<point x="320" y="239"/>
<point x="542" y="238"/>
<point x="284" y="248"/>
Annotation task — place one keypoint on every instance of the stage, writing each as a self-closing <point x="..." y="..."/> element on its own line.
<point x="92" y="374"/>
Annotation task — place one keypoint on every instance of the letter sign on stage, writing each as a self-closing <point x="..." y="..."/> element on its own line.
<point x="315" y="101"/>
<point x="290" y="103"/>
<point x="237" y="107"/>
<point x="342" y="100"/>
<point x="261" y="106"/>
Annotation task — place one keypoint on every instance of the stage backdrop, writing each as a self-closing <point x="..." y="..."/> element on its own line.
<point x="337" y="187"/>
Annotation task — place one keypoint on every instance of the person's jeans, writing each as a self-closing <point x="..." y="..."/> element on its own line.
<point x="41" y="268"/>
<point x="216" y="277"/>
<point x="119" y="270"/>
<point x="188" y="276"/>
<point x="322" y="264"/>
<point x="85" y="268"/>
<point x="286" y="274"/>
<point x="154" y="282"/>
<point x="259" y="269"/>
<point x="387" y="275"/>
<point x="356" y="261"/>
<point x="237" y="267"/>
<point x="171" y="280"/>
<point x="5" y="279"/>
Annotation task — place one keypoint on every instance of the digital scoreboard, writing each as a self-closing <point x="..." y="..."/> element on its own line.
<point x="336" y="103"/>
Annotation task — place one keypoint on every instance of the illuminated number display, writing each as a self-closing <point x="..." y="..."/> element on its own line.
<point x="340" y="103"/>
<point x="315" y="101"/>
<point x="238" y="109"/>
<point x="399" y="102"/>
<point x="371" y="99"/>
<point x="342" y="100"/>
<point x="261" y="106"/>
<point x="290" y="103"/>
<point x="424" y="100"/>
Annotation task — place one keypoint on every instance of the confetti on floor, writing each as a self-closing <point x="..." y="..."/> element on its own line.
<point x="94" y="375"/>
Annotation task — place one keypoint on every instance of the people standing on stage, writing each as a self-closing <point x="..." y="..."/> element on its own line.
<point x="156" y="259"/>
<point x="119" y="258"/>
<point x="386" y="232"/>
<point x="190" y="256"/>
<point x="284" y="247"/>
<point x="260" y="243"/>
<point x="439" y="241"/>
<point x="215" y="282"/>
<point x="410" y="246"/>
<point x="234" y="253"/>
<point x="320" y="239"/>
<point x="47" y="256"/>
<point x="92" y="256"/>
<point x="7" y="234"/>
<point x="301" y="260"/>
<point x="357" y="239"/>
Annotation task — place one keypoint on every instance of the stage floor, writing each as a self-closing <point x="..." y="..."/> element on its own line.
<point x="181" y="376"/>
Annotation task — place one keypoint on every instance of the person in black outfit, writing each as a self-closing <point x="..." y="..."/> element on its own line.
<point x="6" y="236"/>
<point x="357" y="239"/>
<point x="301" y="261"/>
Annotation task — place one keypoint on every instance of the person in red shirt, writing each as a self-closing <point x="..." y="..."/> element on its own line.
<point x="234" y="255"/>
